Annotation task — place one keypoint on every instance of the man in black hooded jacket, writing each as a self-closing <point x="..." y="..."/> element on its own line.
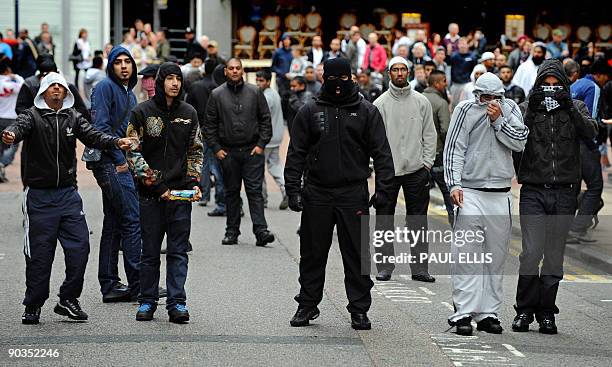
<point x="169" y="158"/>
<point x="332" y="140"/>
<point x="238" y="126"/>
<point x="549" y="170"/>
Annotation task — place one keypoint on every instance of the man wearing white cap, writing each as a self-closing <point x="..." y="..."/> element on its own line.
<point x="52" y="206"/>
<point x="488" y="60"/>
<point x="412" y="136"/>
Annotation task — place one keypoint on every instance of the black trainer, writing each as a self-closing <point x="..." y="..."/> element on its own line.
<point x="119" y="293"/>
<point x="521" y="322"/>
<point x="547" y="325"/>
<point x="490" y="325"/>
<point x="264" y="238"/>
<point x="230" y="239"/>
<point x="146" y="312"/>
<point x="384" y="275"/>
<point x="425" y="277"/>
<point x="179" y="314"/>
<point x="31" y="315"/>
<point x="303" y="315"/>
<point x="216" y="212"/>
<point x="464" y="326"/>
<point x="70" y="308"/>
<point x="360" y="321"/>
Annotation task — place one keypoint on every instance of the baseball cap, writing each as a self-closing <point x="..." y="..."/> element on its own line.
<point x="487" y="56"/>
<point x="213" y="43"/>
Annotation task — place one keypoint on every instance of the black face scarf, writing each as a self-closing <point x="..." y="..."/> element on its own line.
<point x="336" y="68"/>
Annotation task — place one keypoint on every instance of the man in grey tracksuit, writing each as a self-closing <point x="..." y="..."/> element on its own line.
<point x="478" y="170"/>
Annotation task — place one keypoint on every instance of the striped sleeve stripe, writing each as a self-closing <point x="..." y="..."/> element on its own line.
<point x="459" y="124"/>
<point x="514" y="134"/>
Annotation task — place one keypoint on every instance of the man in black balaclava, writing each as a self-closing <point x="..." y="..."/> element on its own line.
<point x="168" y="158"/>
<point x="332" y="140"/>
<point x="549" y="171"/>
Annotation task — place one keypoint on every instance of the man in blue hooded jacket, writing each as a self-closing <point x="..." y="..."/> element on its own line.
<point x="112" y="101"/>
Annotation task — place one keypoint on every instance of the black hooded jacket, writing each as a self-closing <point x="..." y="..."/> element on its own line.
<point x="237" y="116"/>
<point x="331" y="145"/>
<point x="170" y="143"/>
<point x="552" y="152"/>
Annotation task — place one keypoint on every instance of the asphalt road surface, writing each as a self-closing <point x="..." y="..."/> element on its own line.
<point x="241" y="299"/>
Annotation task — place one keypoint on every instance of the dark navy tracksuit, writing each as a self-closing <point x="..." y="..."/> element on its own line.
<point x="52" y="207"/>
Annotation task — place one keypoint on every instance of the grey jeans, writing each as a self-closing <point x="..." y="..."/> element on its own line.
<point x="275" y="168"/>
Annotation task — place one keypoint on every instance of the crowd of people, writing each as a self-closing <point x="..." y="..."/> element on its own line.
<point x="442" y="111"/>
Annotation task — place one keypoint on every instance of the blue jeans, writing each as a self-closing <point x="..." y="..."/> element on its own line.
<point x="120" y="228"/>
<point x="212" y="166"/>
<point x="172" y="219"/>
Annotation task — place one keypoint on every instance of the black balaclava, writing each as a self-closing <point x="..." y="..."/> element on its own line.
<point x="336" y="68"/>
<point x="166" y="69"/>
<point x="218" y="75"/>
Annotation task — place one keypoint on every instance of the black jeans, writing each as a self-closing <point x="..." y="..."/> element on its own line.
<point x="416" y="195"/>
<point x="240" y="166"/>
<point x="546" y="215"/>
<point x="591" y="174"/>
<point x="173" y="219"/>
<point x="325" y="208"/>
<point x="437" y="173"/>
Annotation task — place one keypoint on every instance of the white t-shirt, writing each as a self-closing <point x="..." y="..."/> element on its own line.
<point x="9" y="89"/>
<point x="86" y="52"/>
<point x="317" y="56"/>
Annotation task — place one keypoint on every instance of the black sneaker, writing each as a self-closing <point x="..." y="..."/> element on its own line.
<point x="145" y="312"/>
<point x="264" y="238"/>
<point x="303" y="315"/>
<point x="384" y="275"/>
<point x="424" y="277"/>
<point x="119" y="293"/>
<point x="490" y="325"/>
<point x="521" y="322"/>
<point x="230" y="239"/>
<point x="31" y="315"/>
<point x="179" y="314"/>
<point x="360" y="321"/>
<point x="464" y="326"/>
<point x="70" y="308"/>
<point x="547" y="325"/>
<point x="216" y="212"/>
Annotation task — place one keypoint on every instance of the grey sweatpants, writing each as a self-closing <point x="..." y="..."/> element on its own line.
<point x="477" y="281"/>
<point x="275" y="168"/>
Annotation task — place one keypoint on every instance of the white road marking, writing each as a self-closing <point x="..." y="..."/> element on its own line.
<point x="513" y="350"/>
<point x="427" y="291"/>
<point x="448" y="305"/>
<point x="606" y="300"/>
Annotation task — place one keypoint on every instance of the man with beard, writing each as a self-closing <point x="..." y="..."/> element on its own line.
<point x="331" y="143"/>
<point x="511" y="90"/>
<point x="412" y="137"/>
<point x="237" y="128"/>
<point x="549" y="171"/>
<point x="526" y="73"/>
<point x="168" y="158"/>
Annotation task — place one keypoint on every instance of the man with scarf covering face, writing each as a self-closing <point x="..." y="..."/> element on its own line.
<point x="332" y="140"/>
<point x="169" y="157"/>
<point x="549" y="171"/>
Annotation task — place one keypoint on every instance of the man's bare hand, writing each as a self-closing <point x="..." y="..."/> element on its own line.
<point x="8" y="137"/>
<point x="221" y="154"/>
<point x="198" y="194"/>
<point x="493" y="110"/>
<point x="257" y="150"/>
<point x="457" y="197"/>
<point x="122" y="168"/>
<point x="165" y="195"/>
<point x="126" y="143"/>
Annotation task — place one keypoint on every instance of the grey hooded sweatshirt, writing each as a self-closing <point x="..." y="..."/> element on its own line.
<point x="410" y="128"/>
<point x="478" y="151"/>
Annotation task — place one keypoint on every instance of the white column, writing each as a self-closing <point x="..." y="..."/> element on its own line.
<point x="106" y="22"/>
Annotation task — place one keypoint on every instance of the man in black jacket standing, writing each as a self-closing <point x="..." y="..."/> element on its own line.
<point x="549" y="170"/>
<point x="238" y="126"/>
<point x="332" y="140"/>
<point x="52" y="206"/>
<point x="169" y="158"/>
